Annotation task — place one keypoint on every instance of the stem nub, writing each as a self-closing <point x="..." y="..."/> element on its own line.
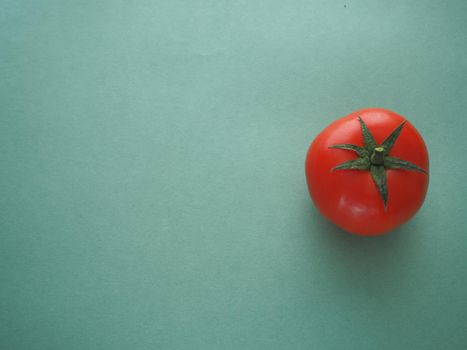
<point x="377" y="157"/>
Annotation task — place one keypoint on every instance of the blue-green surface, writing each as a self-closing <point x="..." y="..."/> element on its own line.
<point x="152" y="188"/>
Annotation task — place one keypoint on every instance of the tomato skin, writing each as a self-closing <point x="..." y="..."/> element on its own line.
<point x="349" y="198"/>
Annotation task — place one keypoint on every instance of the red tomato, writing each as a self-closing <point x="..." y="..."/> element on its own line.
<point x="375" y="186"/>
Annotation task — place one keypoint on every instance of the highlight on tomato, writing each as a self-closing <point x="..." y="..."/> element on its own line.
<point x="367" y="172"/>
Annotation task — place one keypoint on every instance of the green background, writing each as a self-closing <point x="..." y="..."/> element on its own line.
<point x="152" y="175"/>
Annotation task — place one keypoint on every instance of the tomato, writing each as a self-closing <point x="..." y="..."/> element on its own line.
<point x="368" y="171"/>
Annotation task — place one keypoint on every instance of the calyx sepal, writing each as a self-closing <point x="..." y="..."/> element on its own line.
<point x="376" y="159"/>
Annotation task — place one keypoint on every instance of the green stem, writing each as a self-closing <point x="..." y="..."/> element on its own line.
<point x="377" y="158"/>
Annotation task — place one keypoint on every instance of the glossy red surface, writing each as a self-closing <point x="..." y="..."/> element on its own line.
<point x="350" y="198"/>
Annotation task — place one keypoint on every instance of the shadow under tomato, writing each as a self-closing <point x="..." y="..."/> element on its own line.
<point x="378" y="265"/>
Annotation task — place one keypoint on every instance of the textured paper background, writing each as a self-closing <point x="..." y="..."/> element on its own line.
<point x="152" y="182"/>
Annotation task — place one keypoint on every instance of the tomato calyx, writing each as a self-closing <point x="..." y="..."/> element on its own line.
<point x="376" y="158"/>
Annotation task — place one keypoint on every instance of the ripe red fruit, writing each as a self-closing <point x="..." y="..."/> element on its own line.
<point x="368" y="172"/>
